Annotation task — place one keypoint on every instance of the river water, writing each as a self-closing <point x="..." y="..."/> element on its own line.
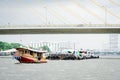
<point x="91" y="69"/>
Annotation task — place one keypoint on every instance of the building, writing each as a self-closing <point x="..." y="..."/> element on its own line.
<point x="54" y="46"/>
<point x="113" y="42"/>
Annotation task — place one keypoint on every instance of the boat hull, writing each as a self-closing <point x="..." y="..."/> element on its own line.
<point x="29" y="60"/>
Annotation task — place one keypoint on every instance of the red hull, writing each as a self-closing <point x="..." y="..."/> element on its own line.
<point x="26" y="60"/>
<point x="29" y="60"/>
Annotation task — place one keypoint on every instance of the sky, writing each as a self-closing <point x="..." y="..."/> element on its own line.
<point x="37" y="12"/>
<point x="85" y="41"/>
<point x="40" y="12"/>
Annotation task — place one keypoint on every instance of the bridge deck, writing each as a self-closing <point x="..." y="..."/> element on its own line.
<point x="61" y="30"/>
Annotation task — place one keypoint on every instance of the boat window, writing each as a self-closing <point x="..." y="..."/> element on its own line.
<point x="31" y="53"/>
<point x="26" y="51"/>
<point x="21" y="52"/>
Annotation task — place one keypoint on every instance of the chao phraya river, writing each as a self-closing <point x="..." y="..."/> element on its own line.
<point x="90" y="69"/>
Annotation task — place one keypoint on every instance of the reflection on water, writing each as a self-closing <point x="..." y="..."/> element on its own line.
<point x="92" y="69"/>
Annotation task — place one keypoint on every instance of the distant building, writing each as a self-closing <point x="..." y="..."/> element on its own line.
<point x="54" y="46"/>
<point x="113" y="42"/>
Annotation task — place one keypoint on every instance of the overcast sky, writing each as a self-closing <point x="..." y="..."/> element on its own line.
<point x="86" y="41"/>
<point x="37" y="12"/>
<point x="21" y="12"/>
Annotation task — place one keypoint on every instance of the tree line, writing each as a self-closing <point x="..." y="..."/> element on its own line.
<point x="6" y="45"/>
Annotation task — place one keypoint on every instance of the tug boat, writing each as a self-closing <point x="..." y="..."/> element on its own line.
<point x="26" y="55"/>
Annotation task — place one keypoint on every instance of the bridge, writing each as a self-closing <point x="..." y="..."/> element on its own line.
<point x="56" y="17"/>
<point x="60" y="29"/>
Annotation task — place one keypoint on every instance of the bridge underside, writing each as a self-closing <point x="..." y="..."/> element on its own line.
<point x="61" y="31"/>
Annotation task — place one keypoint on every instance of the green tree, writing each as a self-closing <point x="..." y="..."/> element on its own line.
<point x="6" y="46"/>
<point x="1" y="45"/>
<point x="15" y="45"/>
<point x="45" y="47"/>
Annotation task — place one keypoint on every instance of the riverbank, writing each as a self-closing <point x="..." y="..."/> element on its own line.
<point x="5" y="56"/>
<point x="110" y="57"/>
<point x="101" y="57"/>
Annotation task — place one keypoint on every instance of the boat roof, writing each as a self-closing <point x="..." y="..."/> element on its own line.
<point x="36" y="51"/>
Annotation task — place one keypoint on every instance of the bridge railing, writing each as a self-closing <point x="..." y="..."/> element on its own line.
<point x="57" y="25"/>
